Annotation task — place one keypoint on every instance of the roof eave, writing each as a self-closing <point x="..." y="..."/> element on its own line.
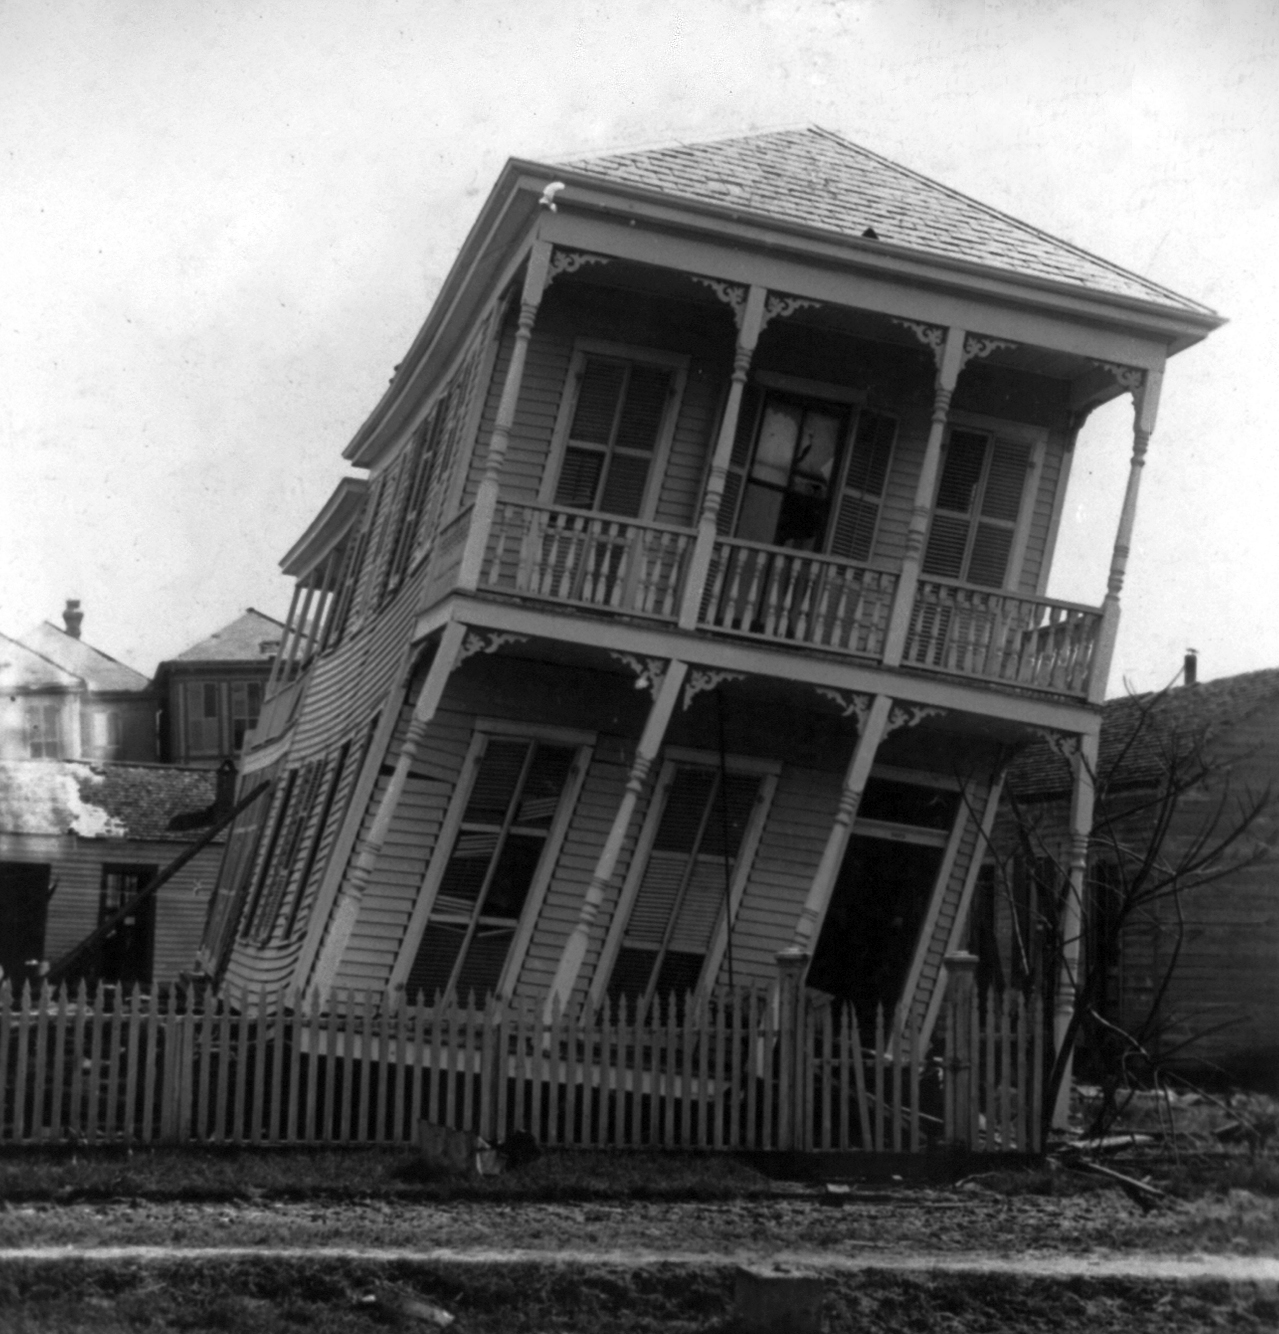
<point x="327" y="528"/>
<point x="1196" y="322"/>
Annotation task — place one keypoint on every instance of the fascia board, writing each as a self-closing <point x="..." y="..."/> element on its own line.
<point x="325" y="530"/>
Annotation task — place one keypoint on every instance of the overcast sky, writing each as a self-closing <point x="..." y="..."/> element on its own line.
<point x="223" y="223"/>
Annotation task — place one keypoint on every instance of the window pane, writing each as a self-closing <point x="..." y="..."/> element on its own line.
<point x="777" y="439"/>
<point x="645" y="405"/>
<point x="989" y="560"/>
<point x="513" y="875"/>
<point x="436" y="956"/>
<point x="495" y="783"/>
<point x="946" y="544"/>
<point x="908" y="803"/>
<point x="624" y="485"/>
<point x="732" y="806"/>
<point x="210" y="700"/>
<point x="481" y="970"/>
<point x="1002" y="496"/>
<point x="685" y="805"/>
<point x="761" y="509"/>
<point x="579" y="478"/>
<point x="631" y="972"/>
<point x="965" y="455"/>
<point x="815" y="459"/>
<point x="464" y="876"/>
<point x="597" y="401"/>
<point x="679" y="973"/>
<point x="545" y="782"/>
<point x="868" y="467"/>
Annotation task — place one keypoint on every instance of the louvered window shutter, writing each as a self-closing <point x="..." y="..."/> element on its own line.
<point x="617" y="420"/>
<point x="978" y="503"/>
<point x="516" y="791"/>
<point x="681" y="893"/>
<point x="853" y="532"/>
<point x="736" y="478"/>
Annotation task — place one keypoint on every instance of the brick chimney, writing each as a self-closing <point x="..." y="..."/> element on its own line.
<point x="72" y="617"/>
<point x="1190" y="673"/>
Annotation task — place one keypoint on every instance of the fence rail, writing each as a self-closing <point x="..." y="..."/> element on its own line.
<point x="763" y="1068"/>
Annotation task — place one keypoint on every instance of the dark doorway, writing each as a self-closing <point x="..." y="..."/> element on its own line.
<point x="875" y="914"/>
<point x="24" y="905"/>
<point x="125" y="956"/>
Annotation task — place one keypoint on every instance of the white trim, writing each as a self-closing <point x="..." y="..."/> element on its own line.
<point x="564" y="736"/>
<point x="821" y="389"/>
<point x="916" y="777"/>
<point x="1021" y="433"/>
<point x="901" y="833"/>
<point x="735" y="764"/>
<point x="582" y="348"/>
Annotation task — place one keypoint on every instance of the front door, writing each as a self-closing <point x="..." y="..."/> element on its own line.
<point x="24" y="903"/>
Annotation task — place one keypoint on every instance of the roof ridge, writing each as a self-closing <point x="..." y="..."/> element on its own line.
<point x="1019" y="223"/>
<point x="660" y="145"/>
<point x="44" y="657"/>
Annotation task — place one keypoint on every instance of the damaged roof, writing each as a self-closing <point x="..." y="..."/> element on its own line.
<point x="817" y="178"/>
<point x="1132" y="752"/>
<point x="99" y="671"/>
<point x="109" y="801"/>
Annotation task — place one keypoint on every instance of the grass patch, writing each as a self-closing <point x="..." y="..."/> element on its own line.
<point x="200" y="1174"/>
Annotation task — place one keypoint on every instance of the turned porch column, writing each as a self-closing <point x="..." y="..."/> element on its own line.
<point x="1145" y="402"/>
<point x="477" y="537"/>
<point x="950" y="362"/>
<point x="650" y="742"/>
<point x="1084" y="764"/>
<point x="368" y="848"/>
<point x="707" y="527"/>
<point x="869" y="736"/>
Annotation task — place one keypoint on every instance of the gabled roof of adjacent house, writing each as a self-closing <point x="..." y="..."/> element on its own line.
<point x="251" y="637"/>
<point x="107" y="801"/>
<point x="22" y="668"/>
<point x="98" y="670"/>
<point x="817" y="178"/>
<point x="1137" y="730"/>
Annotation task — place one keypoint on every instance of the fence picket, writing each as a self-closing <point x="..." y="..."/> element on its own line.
<point x="134" y="1055"/>
<point x="224" y="1070"/>
<point x="59" y="1065"/>
<point x="41" y="1063"/>
<point x="20" y="1080"/>
<point x="1005" y="1073"/>
<point x="75" y="1122"/>
<point x="879" y="1078"/>
<point x="896" y="1058"/>
<point x="203" y="1103"/>
<point x="419" y="1056"/>
<point x="93" y="1082"/>
<point x="150" y="1072"/>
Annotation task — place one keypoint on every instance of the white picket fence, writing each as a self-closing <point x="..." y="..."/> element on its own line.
<point x="758" y="1068"/>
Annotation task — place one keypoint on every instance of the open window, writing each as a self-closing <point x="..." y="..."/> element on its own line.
<point x="498" y="847"/>
<point x="614" y="429"/>
<point x="693" y="859"/>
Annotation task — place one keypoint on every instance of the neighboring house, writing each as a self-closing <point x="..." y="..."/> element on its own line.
<point x="60" y="698"/>
<point x="211" y="694"/>
<point x="1221" y="1006"/>
<point x="78" y="840"/>
<point x="696" y="597"/>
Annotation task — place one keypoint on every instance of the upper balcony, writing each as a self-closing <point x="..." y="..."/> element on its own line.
<point x="600" y="565"/>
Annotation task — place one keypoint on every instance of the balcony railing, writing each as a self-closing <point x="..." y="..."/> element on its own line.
<point x="798" y="597"/>
<point x="587" y="560"/>
<point x="1002" y="637"/>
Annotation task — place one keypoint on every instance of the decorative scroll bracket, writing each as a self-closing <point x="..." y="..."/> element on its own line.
<point x="569" y="261"/>
<point x="731" y="294"/>
<point x="781" y="307"/>
<point x="1130" y="378"/>
<point x="1065" y="744"/>
<point x="649" y="672"/>
<point x="485" y="641"/>
<point x="707" y="680"/>
<point x="910" y="715"/>
<point x="933" y="336"/>
<point x="977" y="346"/>
<point x="848" y="704"/>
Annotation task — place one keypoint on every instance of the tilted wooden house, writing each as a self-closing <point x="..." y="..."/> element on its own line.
<point x="692" y="596"/>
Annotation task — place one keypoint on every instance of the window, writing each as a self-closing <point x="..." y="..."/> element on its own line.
<point x="126" y="955"/>
<point x="794" y="482"/>
<point x="203" y="718"/>
<point x="493" y="864"/>
<point x="44" y="731"/>
<point x="615" y="432"/>
<point x="976" y="510"/>
<point x="688" y="876"/>
<point x="246" y="705"/>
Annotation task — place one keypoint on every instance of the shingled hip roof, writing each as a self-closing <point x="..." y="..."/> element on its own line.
<point x="819" y="179"/>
